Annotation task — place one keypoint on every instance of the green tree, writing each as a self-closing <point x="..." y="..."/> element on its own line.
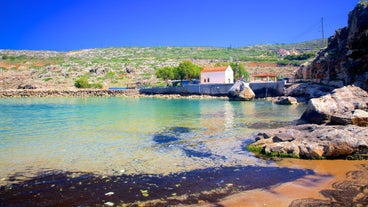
<point x="187" y="70"/>
<point x="239" y="70"/>
<point x="166" y="73"/>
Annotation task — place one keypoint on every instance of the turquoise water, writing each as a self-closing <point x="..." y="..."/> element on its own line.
<point x="112" y="135"/>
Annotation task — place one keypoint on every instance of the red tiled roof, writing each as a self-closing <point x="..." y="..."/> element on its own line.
<point x="265" y="75"/>
<point x="214" y="69"/>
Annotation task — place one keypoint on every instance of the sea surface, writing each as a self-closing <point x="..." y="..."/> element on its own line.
<point x="113" y="135"/>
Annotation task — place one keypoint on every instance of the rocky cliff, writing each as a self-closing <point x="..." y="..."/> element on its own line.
<point x="345" y="60"/>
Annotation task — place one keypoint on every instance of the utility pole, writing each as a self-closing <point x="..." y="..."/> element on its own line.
<point x="323" y="33"/>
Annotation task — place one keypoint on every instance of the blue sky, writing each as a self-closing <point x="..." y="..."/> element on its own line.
<point x="80" y="24"/>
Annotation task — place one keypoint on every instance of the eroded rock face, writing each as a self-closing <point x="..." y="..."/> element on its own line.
<point x="346" y="105"/>
<point x="345" y="60"/>
<point x="241" y="91"/>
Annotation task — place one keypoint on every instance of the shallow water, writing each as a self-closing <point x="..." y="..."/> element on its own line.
<point x="115" y="135"/>
<point x="89" y="151"/>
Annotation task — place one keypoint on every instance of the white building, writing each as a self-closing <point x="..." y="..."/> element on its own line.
<point x="223" y="74"/>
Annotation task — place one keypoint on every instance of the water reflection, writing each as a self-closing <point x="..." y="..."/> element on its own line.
<point x="228" y="115"/>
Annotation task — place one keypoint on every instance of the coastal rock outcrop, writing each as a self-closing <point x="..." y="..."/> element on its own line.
<point x="337" y="127"/>
<point x="313" y="141"/>
<point x="346" y="105"/>
<point x="241" y="91"/>
<point x="345" y="60"/>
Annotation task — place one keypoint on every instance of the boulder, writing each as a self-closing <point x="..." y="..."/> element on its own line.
<point x="285" y="100"/>
<point x="241" y="91"/>
<point x="26" y="86"/>
<point x="340" y="107"/>
<point x="308" y="91"/>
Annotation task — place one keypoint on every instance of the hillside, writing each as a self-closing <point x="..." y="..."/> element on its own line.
<point x="121" y="67"/>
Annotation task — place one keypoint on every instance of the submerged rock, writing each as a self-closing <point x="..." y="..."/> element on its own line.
<point x="170" y="135"/>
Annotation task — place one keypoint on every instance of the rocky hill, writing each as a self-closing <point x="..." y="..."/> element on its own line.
<point x="345" y="60"/>
<point x="122" y="67"/>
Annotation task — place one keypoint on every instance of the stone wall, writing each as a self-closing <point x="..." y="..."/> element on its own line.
<point x="267" y="89"/>
<point x="191" y="89"/>
<point x="261" y="89"/>
<point x="56" y="93"/>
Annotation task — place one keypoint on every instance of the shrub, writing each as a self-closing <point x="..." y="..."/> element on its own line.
<point x="47" y="79"/>
<point x="96" y="85"/>
<point x="82" y="83"/>
<point x="110" y="75"/>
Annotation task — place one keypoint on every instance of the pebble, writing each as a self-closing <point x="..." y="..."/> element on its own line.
<point x="108" y="204"/>
<point x="109" y="194"/>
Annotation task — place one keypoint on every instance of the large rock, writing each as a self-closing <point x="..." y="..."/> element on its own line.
<point x="315" y="141"/>
<point x="342" y="106"/>
<point x="241" y="91"/>
<point x="26" y="86"/>
<point x="307" y="91"/>
<point x="285" y="100"/>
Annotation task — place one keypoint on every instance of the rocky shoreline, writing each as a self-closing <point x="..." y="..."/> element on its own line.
<point x="333" y="126"/>
<point x="18" y="93"/>
<point x="61" y="92"/>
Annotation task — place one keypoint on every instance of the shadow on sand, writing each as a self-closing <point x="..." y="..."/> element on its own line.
<point x="86" y="189"/>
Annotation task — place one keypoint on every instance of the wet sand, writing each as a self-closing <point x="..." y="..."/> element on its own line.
<point x="329" y="177"/>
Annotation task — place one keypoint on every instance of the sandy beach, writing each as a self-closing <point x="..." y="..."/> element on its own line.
<point x="329" y="174"/>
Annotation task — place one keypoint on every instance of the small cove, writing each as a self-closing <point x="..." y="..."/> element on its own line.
<point x="120" y="136"/>
<point x="103" y="135"/>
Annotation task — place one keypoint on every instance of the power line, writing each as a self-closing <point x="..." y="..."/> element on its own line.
<point x="323" y="33"/>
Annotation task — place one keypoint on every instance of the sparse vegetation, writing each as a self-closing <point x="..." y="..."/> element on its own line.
<point x="118" y="67"/>
<point x="259" y="151"/>
<point x="47" y="79"/>
<point x="83" y="83"/>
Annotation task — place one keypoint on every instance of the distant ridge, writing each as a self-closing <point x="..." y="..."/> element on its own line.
<point x="313" y="45"/>
<point x="310" y="44"/>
